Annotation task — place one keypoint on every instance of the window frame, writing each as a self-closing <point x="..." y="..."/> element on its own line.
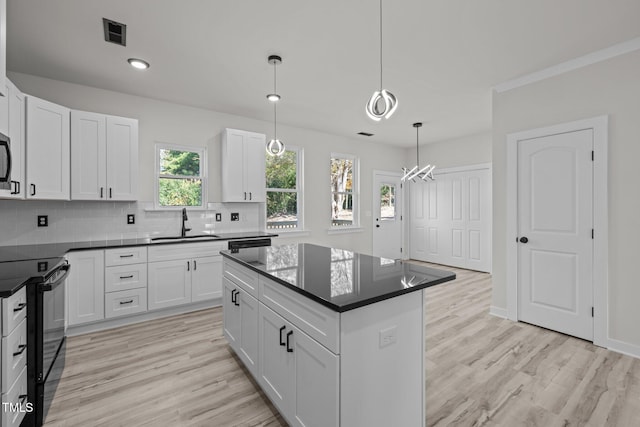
<point x="299" y="190"/>
<point x="202" y="151"/>
<point x="355" y="192"/>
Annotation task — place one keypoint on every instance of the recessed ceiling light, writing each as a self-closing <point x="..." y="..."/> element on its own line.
<point x="138" y="63"/>
<point x="273" y="97"/>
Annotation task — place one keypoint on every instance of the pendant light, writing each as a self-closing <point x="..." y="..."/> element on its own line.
<point x="382" y="103"/>
<point x="275" y="147"/>
<point x="415" y="172"/>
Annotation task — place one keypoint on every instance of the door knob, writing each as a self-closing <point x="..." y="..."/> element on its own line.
<point x="523" y="240"/>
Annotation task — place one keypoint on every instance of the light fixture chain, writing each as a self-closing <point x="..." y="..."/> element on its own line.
<point x="417" y="147"/>
<point x="380" y="45"/>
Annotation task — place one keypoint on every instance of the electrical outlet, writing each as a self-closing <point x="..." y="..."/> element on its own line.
<point x="388" y="336"/>
<point x="131" y="218"/>
<point x="218" y="217"/>
<point x="235" y="216"/>
<point x="43" y="220"/>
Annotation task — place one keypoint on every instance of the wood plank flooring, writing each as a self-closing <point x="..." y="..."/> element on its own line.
<point x="481" y="371"/>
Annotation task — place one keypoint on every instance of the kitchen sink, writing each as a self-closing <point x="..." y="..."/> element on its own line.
<point x="185" y="238"/>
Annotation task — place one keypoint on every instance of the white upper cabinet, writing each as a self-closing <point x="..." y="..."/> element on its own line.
<point x="48" y="146"/>
<point x="17" y="136"/>
<point x="243" y="166"/>
<point x="3" y="46"/>
<point x="4" y="107"/>
<point x="104" y="157"/>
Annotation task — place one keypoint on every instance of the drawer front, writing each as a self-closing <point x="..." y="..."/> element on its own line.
<point x="185" y="250"/>
<point x="317" y="321"/>
<point x="14" y="310"/>
<point x="123" y="277"/>
<point x="13" y="413"/>
<point x="123" y="303"/>
<point x="242" y="277"/>
<point x="124" y="256"/>
<point x="14" y="354"/>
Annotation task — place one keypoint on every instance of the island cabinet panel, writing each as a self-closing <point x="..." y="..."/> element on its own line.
<point x="246" y="279"/>
<point x="240" y="324"/>
<point x="319" y="322"/>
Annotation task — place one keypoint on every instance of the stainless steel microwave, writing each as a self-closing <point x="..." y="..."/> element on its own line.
<point x="5" y="163"/>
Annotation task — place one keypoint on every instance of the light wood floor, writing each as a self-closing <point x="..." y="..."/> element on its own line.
<point x="481" y="371"/>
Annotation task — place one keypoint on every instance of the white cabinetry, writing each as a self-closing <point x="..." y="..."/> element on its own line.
<point x="48" y="145"/>
<point x="104" y="157"/>
<point x="4" y="107"/>
<point x="14" y="356"/>
<point x="12" y="108"/>
<point x="125" y="281"/>
<point x="85" y="286"/>
<point x="243" y="166"/>
<point x="180" y="274"/>
<point x="3" y="43"/>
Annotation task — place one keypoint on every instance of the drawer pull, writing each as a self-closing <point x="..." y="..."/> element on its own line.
<point x="289" y="349"/>
<point x="281" y="330"/>
<point x="20" y="307"/>
<point x="127" y="277"/>
<point x="126" y="256"/>
<point x="126" y="302"/>
<point x="21" y="349"/>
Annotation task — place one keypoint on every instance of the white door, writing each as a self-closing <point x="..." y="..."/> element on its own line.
<point x="48" y="150"/>
<point x="230" y="313"/>
<point x="233" y="161"/>
<point x="17" y="135"/>
<point x="555" y="222"/>
<point x="254" y="152"/>
<point x="169" y="283"/>
<point x="387" y="211"/>
<point x="122" y="158"/>
<point x="85" y="286"/>
<point x="248" y="331"/>
<point x="206" y="280"/>
<point x="88" y="156"/>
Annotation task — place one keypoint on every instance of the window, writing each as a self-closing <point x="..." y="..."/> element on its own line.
<point x="181" y="178"/>
<point x="284" y="190"/>
<point x="344" y="190"/>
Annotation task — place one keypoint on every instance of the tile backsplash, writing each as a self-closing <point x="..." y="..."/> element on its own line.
<point x="91" y="221"/>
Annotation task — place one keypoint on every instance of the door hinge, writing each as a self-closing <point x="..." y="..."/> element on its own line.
<point x="592" y="234"/>
<point x="592" y="311"/>
<point x="593" y="155"/>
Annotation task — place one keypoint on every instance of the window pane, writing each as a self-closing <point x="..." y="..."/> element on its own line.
<point x="387" y="202"/>
<point x="180" y="192"/>
<point x="342" y="209"/>
<point x="282" y="210"/>
<point x="176" y="162"/>
<point x="281" y="170"/>
<point x="341" y="175"/>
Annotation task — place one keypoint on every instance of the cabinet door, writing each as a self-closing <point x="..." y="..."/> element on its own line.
<point x="17" y="134"/>
<point x="88" y="156"/>
<point x="254" y="166"/>
<point x="169" y="283"/>
<point x="85" y="286"/>
<point x="314" y="364"/>
<point x="275" y="364"/>
<point x="206" y="278"/>
<point x="230" y="314"/>
<point x="4" y="107"/>
<point x="248" y="331"/>
<point x="48" y="159"/>
<point x="233" y="160"/>
<point x="122" y="158"/>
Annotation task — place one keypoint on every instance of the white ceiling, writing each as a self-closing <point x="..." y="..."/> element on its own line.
<point x="441" y="56"/>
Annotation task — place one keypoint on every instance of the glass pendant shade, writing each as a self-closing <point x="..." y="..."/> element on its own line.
<point x="382" y="104"/>
<point x="275" y="147"/>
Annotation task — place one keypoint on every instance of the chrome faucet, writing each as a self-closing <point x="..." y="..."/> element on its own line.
<point x="185" y="218"/>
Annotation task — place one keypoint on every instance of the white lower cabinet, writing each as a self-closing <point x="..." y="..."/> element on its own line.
<point x="240" y="319"/>
<point x="169" y="283"/>
<point x="85" y="286"/>
<point x="205" y="278"/>
<point x="122" y="303"/>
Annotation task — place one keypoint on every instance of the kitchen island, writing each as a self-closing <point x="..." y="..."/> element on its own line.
<point x="333" y="337"/>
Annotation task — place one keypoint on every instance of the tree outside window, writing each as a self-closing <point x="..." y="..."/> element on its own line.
<point x="180" y="176"/>
<point x="284" y="195"/>
<point x="343" y="190"/>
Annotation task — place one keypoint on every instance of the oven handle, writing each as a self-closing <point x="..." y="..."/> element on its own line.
<point x="50" y="286"/>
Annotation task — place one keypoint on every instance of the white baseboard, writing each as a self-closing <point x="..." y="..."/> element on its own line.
<point x="141" y="317"/>
<point x="498" y="312"/>
<point x="624" y="348"/>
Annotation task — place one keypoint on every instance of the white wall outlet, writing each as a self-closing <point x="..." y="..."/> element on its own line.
<point x="388" y="336"/>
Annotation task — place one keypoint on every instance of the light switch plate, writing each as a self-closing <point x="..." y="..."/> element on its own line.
<point x="218" y="217"/>
<point x="131" y="218"/>
<point x="43" y="220"/>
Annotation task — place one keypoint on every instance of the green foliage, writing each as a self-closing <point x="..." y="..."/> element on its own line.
<point x="180" y="192"/>
<point x="281" y="174"/>
<point x="175" y="162"/>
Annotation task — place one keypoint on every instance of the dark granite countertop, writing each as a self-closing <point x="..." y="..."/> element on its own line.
<point x="338" y="279"/>
<point x="14" y="274"/>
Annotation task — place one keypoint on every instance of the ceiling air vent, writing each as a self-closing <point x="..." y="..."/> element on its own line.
<point x="114" y="32"/>
<point x="365" y="134"/>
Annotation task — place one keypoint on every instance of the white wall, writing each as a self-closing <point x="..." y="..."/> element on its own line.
<point x="161" y="121"/>
<point x="611" y="87"/>
<point x="463" y="151"/>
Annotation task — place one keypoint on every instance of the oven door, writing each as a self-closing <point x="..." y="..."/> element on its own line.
<point x="53" y="324"/>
